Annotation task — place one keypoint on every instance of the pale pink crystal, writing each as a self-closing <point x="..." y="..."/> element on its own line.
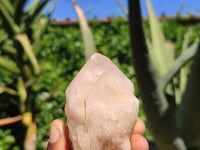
<point x="101" y="108"/>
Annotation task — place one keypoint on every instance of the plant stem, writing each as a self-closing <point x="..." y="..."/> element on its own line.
<point x="10" y="120"/>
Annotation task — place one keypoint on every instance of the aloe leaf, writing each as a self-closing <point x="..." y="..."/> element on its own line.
<point x="8" y="19"/>
<point x="7" y="90"/>
<point x="39" y="29"/>
<point x="36" y="12"/>
<point x="22" y="93"/>
<point x="8" y="7"/>
<point x="15" y="3"/>
<point x="186" y="39"/>
<point x="122" y="7"/>
<point x="3" y="37"/>
<point x="88" y="40"/>
<point x="33" y="6"/>
<point x="160" y="57"/>
<point x="38" y="32"/>
<point x="154" y="102"/>
<point x="178" y="63"/>
<point x="189" y="112"/>
<point x="19" y="9"/>
<point x="144" y="71"/>
<point x="170" y="50"/>
<point x="170" y="89"/>
<point x="26" y="45"/>
<point x="185" y="70"/>
<point x="53" y="7"/>
<point x="149" y="44"/>
<point x="40" y="8"/>
<point x="37" y="7"/>
<point x="9" y="65"/>
<point x="8" y="47"/>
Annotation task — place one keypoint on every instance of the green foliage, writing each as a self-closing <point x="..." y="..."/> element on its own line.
<point x="6" y="139"/>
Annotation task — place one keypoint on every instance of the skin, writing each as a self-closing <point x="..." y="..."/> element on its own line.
<point x="59" y="136"/>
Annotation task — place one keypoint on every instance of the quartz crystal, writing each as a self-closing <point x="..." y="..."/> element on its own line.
<point x="101" y="108"/>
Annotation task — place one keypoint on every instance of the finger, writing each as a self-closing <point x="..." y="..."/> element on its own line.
<point x="68" y="139"/>
<point x="139" y="127"/>
<point x="58" y="136"/>
<point x="138" y="142"/>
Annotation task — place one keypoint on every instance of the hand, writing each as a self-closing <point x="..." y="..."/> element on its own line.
<point x="59" y="136"/>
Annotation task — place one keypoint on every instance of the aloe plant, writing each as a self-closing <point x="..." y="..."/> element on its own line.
<point x="87" y="36"/>
<point x="122" y="7"/>
<point x="19" y="47"/>
<point x="173" y="120"/>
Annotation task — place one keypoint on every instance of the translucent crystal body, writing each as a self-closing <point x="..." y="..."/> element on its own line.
<point x="101" y="108"/>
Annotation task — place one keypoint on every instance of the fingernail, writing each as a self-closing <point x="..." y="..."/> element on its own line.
<point x="54" y="134"/>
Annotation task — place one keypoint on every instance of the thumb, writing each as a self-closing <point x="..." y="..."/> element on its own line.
<point x="58" y="136"/>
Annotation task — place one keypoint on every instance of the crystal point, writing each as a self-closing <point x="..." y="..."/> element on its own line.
<point x="101" y="108"/>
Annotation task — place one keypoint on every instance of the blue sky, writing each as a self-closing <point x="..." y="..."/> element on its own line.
<point x="105" y="8"/>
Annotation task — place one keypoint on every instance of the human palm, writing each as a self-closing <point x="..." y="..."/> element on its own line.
<point x="59" y="136"/>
